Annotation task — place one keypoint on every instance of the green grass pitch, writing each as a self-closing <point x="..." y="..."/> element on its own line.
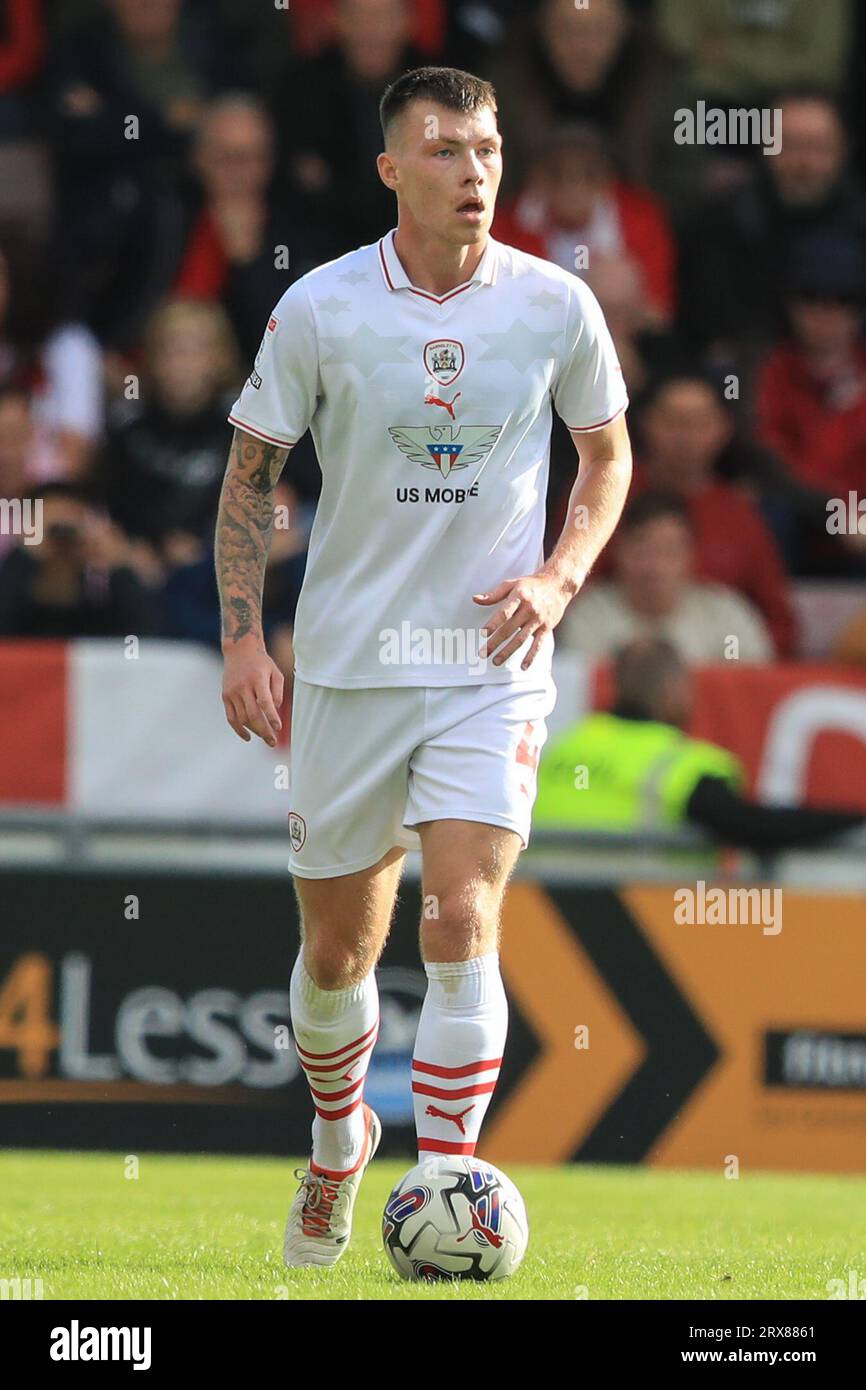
<point x="211" y="1228"/>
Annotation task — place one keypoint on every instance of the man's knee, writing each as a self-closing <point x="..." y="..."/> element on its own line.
<point x="335" y="962"/>
<point x="457" y="924"/>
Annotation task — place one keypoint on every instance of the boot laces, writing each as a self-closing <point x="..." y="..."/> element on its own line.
<point x="320" y="1194"/>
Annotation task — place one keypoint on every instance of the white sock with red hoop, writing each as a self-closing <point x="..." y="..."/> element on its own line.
<point x="458" y="1052"/>
<point x="335" y="1031"/>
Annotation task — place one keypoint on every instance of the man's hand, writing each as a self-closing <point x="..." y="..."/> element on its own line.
<point x="252" y="691"/>
<point x="528" y="607"/>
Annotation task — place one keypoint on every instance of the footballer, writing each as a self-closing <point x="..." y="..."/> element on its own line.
<point x="426" y="367"/>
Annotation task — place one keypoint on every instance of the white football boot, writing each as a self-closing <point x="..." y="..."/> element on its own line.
<point x="320" y="1217"/>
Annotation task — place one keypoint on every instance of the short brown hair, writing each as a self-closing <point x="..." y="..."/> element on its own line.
<point x="449" y="87"/>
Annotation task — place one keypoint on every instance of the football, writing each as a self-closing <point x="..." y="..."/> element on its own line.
<point x="455" y="1218"/>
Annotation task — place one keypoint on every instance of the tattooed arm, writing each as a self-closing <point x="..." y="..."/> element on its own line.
<point x="252" y="683"/>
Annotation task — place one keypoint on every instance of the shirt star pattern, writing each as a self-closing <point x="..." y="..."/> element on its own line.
<point x="365" y="349"/>
<point x="520" y="345"/>
<point x="545" y="300"/>
<point x="333" y="305"/>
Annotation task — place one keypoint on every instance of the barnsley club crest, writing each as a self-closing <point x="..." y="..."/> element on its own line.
<point x="297" y="830"/>
<point x="445" y="447"/>
<point x="444" y="359"/>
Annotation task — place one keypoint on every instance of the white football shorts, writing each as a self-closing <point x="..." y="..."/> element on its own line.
<point x="368" y="765"/>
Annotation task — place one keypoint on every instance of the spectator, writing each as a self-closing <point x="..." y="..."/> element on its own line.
<point x="330" y="113"/>
<point x="56" y="361"/>
<point x="645" y="351"/>
<point x="315" y="26"/>
<point x="25" y="176"/>
<point x="126" y="87"/>
<point x="741" y="52"/>
<point x="244" y="249"/>
<point x="192" y="602"/>
<point x="562" y="63"/>
<point x="575" y="210"/>
<point x="684" y="431"/>
<point x="731" y="289"/>
<point x="18" y="453"/>
<point x="165" y="454"/>
<point x="150" y="58"/>
<point x="654" y="593"/>
<point x="642" y="772"/>
<point x="22" y="47"/>
<point x="79" y="581"/>
<point x="811" y="396"/>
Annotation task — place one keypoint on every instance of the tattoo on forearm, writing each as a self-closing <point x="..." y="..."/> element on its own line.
<point x="243" y="532"/>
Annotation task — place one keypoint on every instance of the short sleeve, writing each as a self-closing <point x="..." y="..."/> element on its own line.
<point x="588" y="390"/>
<point x="279" y="397"/>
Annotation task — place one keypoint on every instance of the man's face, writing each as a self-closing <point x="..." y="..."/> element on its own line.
<point x="445" y="167"/>
<point x="147" y="20"/>
<point x="685" y="430"/>
<point x="812" y="154"/>
<point x="573" y="179"/>
<point x="186" y="363"/>
<point x="825" y="325"/>
<point x="234" y="153"/>
<point x="653" y="563"/>
<point x="372" y="35"/>
<point x="583" y="42"/>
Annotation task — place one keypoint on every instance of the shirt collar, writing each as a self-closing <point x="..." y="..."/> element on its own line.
<point x="396" y="278"/>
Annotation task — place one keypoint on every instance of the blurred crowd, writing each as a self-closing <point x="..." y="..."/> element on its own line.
<point x="168" y="167"/>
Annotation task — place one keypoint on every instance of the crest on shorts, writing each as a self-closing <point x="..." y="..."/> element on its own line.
<point x="445" y="447"/>
<point x="444" y="359"/>
<point x="297" y="830"/>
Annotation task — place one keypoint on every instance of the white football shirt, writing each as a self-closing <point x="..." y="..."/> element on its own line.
<point x="431" y="420"/>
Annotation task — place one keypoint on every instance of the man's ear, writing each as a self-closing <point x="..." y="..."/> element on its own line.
<point x="387" y="170"/>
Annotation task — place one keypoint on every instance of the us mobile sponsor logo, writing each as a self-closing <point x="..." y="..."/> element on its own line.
<point x="435" y="494"/>
<point x="445" y="447"/>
